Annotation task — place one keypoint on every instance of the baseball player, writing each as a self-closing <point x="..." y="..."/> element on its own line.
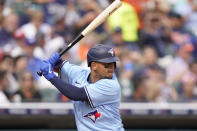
<point x="95" y="92"/>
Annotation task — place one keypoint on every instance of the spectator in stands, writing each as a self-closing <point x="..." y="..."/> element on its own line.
<point x="125" y="73"/>
<point x="55" y="44"/>
<point x="20" y="63"/>
<point x="127" y="19"/>
<point x="72" y="15"/>
<point x="36" y="24"/>
<point x="20" y="7"/>
<point x="150" y="56"/>
<point x="40" y="50"/>
<point x="189" y="83"/>
<point x="51" y="8"/>
<point x="89" y="9"/>
<point x="19" y="41"/>
<point x="180" y="64"/>
<point x="27" y="91"/>
<point x="158" y="90"/>
<point x="32" y="61"/>
<point x="140" y="6"/>
<point x="192" y="71"/>
<point x="7" y="64"/>
<point x="188" y="88"/>
<point x="10" y="24"/>
<point x="151" y="34"/>
<point x="1" y="12"/>
<point x="117" y="40"/>
<point x="84" y="46"/>
<point x="140" y="87"/>
<point x="147" y="58"/>
<point x="193" y="67"/>
<point x="181" y="7"/>
<point x="153" y="92"/>
<point x="176" y="21"/>
<point x="61" y="28"/>
<point x="3" y="85"/>
<point x="191" y="25"/>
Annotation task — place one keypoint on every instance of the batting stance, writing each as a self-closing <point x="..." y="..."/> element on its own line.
<point x="95" y="92"/>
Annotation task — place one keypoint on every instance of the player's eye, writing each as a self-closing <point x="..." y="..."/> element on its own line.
<point x="108" y="65"/>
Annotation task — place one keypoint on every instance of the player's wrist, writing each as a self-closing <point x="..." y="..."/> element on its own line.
<point x="58" y="63"/>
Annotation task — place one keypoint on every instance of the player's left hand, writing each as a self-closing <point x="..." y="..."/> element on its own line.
<point x="47" y="70"/>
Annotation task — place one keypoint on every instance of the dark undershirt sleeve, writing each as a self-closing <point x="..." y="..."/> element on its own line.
<point x="70" y="91"/>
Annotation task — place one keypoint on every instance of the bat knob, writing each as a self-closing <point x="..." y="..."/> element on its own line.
<point x="39" y="73"/>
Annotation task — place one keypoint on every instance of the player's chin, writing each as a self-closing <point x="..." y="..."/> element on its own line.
<point x="109" y="76"/>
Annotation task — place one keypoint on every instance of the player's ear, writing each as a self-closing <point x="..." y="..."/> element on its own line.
<point x="93" y="66"/>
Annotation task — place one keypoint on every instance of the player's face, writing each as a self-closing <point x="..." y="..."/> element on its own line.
<point x="105" y="70"/>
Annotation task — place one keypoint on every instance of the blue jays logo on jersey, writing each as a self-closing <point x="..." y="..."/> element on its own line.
<point x="93" y="115"/>
<point x="111" y="51"/>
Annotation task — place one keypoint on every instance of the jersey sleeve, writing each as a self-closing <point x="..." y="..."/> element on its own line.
<point x="68" y="72"/>
<point x="104" y="91"/>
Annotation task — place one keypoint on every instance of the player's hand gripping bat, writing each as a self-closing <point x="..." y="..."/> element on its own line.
<point x="95" y="23"/>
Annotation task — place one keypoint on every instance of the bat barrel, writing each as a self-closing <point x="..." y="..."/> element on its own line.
<point x="102" y="17"/>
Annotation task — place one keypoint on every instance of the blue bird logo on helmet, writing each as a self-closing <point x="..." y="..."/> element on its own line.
<point x="94" y="115"/>
<point x="111" y="51"/>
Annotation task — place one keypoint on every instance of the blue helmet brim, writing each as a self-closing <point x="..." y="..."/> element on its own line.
<point x="108" y="60"/>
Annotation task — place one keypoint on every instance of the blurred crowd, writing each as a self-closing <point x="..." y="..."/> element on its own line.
<point x="156" y="41"/>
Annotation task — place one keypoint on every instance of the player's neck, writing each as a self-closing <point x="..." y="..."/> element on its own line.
<point x="93" y="77"/>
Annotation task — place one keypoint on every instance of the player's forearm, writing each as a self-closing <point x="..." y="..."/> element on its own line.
<point x="70" y="91"/>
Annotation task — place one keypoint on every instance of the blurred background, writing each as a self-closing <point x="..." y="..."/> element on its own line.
<point x="156" y="41"/>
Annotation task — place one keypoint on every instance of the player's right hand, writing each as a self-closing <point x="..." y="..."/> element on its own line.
<point x="47" y="70"/>
<point x="55" y="60"/>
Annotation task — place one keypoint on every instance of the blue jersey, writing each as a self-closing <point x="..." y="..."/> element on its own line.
<point x="101" y="112"/>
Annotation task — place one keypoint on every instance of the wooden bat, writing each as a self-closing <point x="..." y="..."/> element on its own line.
<point x="95" y="23"/>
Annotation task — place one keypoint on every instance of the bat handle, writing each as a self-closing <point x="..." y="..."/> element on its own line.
<point x="39" y="73"/>
<point x="77" y="39"/>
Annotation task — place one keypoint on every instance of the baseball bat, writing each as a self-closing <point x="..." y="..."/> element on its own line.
<point x="95" y="23"/>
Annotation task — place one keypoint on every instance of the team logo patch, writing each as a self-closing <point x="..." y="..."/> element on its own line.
<point x="111" y="51"/>
<point x="94" y="115"/>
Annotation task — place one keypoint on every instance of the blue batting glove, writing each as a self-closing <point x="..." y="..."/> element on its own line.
<point x="55" y="60"/>
<point x="47" y="70"/>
